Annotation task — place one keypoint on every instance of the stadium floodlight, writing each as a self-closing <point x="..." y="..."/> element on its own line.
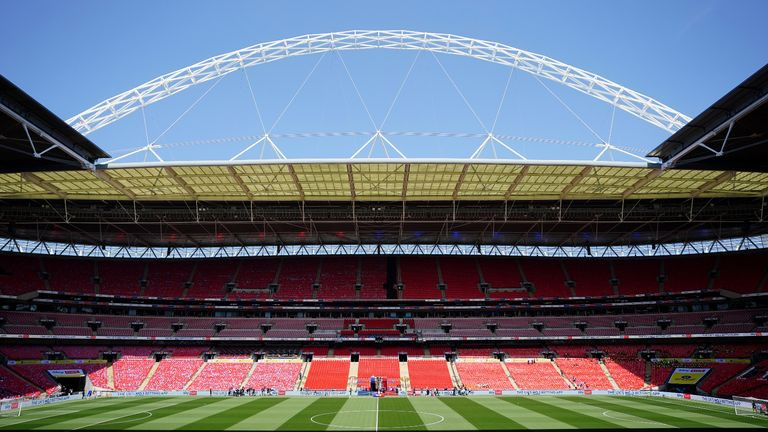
<point x="540" y="66"/>
<point x="10" y="407"/>
<point x="749" y="406"/>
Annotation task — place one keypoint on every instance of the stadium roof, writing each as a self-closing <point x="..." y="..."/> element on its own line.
<point x="381" y="180"/>
<point x="731" y="134"/>
<point x="34" y="139"/>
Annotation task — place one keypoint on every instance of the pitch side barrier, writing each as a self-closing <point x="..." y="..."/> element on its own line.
<point x="338" y="393"/>
<point x="29" y="403"/>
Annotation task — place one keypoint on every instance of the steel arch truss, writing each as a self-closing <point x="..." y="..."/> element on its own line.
<point x="637" y="104"/>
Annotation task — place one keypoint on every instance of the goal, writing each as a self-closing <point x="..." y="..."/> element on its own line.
<point x="748" y="406"/>
<point x="10" y="407"/>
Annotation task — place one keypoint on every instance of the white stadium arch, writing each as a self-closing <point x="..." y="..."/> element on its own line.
<point x="635" y="103"/>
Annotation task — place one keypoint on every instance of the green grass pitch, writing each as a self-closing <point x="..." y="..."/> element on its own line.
<point x="372" y="414"/>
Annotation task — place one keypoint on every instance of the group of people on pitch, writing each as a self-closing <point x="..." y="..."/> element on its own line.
<point x="265" y="391"/>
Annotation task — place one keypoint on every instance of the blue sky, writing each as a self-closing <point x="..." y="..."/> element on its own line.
<point x="72" y="55"/>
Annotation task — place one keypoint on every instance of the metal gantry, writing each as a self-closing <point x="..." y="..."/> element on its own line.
<point x="619" y="251"/>
<point x="542" y="67"/>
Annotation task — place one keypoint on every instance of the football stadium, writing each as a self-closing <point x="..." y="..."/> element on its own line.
<point x="377" y="291"/>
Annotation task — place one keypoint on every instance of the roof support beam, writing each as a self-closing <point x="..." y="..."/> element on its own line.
<point x="642" y="182"/>
<point x="37" y="181"/>
<point x="459" y="182"/>
<point x="722" y="178"/>
<point x="180" y="181"/>
<point x="575" y="182"/>
<point x="406" y="175"/>
<point x="54" y="142"/>
<point x="103" y="175"/>
<point x="296" y="181"/>
<point x="240" y="182"/>
<point x="518" y="179"/>
<point x="711" y="134"/>
<point x="351" y="180"/>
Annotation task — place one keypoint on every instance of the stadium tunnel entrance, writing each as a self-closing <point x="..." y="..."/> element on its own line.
<point x="70" y="380"/>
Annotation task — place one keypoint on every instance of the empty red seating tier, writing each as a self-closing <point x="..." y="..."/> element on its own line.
<point x="720" y="373"/>
<point x="741" y="272"/>
<point x="628" y="374"/>
<point x="257" y="274"/>
<point x="221" y="376"/>
<point x="752" y="384"/>
<point x="24" y="352"/>
<point x="500" y="272"/>
<point x="585" y="373"/>
<point x="346" y="351"/>
<point x="637" y="276"/>
<point x="673" y="351"/>
<point x="38" y="374"/>
<point x="316" y="350"/>
<point x="135" y="352"/>
<point x="429" y="374"/>
<point x="460" y="277"/>
<point x="592" y="278"/>
<point x="415" y="351"/>
<point x="281" y="376"/>
<point x="373" y="276"/>
<point x="547" y="277"/>
<point x="326" y="374"/>
<point x="296" y="278"/>
<point x="70" y="274"/>
<point x="483" y="376"/>
<point x="130" y="373"/>
<point x="476" y="352"/>
<point x="121" y="277"/>
<point x="338" y="278"/>
<point x="570" y="350"/>
<point x="687" y="273"/>
<point x="380" y="367"/>
<point x="166" y="279"/>
<point x="523" y="352"/>
<point x="80" y="352"/>
<point x="211" y="278"/>
<point x="13" y="386"/>
<point x="419" y="277"/>
<point x="173" y="374"/>
<point x="540" y="375"/>
<point x="660" y="374"/>
<point x="19" y="274"/>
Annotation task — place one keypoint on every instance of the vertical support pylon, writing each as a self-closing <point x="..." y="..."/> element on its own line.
<point x="493" y="140"/>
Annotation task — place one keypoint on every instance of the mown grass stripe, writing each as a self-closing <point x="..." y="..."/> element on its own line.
<point x="696" y="410"/>
<point x="229" y="417"/>
<point x="271" y="418"/>
<point x="527" y="418"/>
<point x="47" y="421"/>
<point x="301" y="421"/>
<point x="566" y="416"/>
<point x="54" y="409"/>
<point x="653" y="416"/>
<point x="452" y="420"/>
<point x="398" y="414"/>
<point x="480" y="416"/>
<point x="141" y="417"/>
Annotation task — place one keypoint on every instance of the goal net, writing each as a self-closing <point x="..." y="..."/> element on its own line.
<point x="748" y="406"/>
<point x="10" y="407"/>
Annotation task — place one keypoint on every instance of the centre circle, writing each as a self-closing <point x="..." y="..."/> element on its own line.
<point x="438" y="419"/>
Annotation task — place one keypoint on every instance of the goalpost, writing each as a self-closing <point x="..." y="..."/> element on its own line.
<point x="10" y="407"/>
<point x="749" y="406"/>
